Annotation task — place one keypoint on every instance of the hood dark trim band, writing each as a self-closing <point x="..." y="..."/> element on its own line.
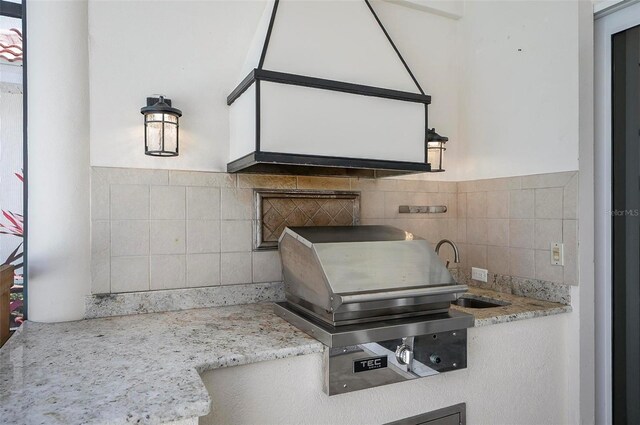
<point x="286" y="163"/>
<point x="321" y="83"/>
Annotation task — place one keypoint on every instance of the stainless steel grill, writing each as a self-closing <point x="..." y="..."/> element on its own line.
<point x="376" y="295"/>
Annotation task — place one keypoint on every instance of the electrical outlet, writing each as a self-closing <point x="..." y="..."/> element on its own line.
<point x="479" y="274"/>
<point x="557" y="254"/>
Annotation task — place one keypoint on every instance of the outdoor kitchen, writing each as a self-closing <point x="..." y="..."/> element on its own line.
<point x="298" y="212"/>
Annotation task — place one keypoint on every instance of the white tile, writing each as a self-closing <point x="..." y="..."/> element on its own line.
<point x="549" y="203"/>
<point x="236" y="204"/>
<point x="498" y="232"/>
<point x="450" y="200"/>
<point x="521" y="262"/>
<point x="477" y="230"/>
<point x="203" y="270"/>
<point x="100" y="274"/>
<point x="547" y="231"/>
<point x="521" y="203"/>
<point x="406" y="185"/>
<point x="449" y="228"/>
<point x="236" y="236"/>
<point x="427" y="229"/>
<point x="498" y="204"/>
<point x="129" y="202"/>
<point x="100" y="237"/>
<point x="99" y="197"/>
<point x="467" y="186"/>
<point x="100" y="257"/>
<point x="477" y="256"/>
<point x="570" y="199"/>
<point x="393" y="200"/>
<point x="547" y="180"/>
<point x="203" y="203"/>
<point x="498" y="259"/>
<point x="129" y="237"/>
<point x="235" y="268"/>
<point x="167" y="237"/>
<point x="266" y="266"/>
<point x="462" y="230"/>
<point x="570" y="241"/>
<point x="167" y="271"/>
<point x="501" y="183"/>
<point x="372" y="205"/>
<point x="448" y="187"/>
<point x="545" y="270"/>
<point x="197" y="178"/>
<point x="521" y="233"/>
<point x="462" y="205"/>
<point x="129" y="274"/>
<point x="363" y="184"/>
<point x="203" y="236"/>
<point x="477" y="204"/>
<point x="464" y="261"/>
<point x="167" y="202"/>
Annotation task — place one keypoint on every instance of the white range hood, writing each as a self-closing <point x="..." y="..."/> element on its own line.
<point x="325" y="91"/>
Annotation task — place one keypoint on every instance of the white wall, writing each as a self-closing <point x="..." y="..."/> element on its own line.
<point x="58" y="174"/>
<point x="518" y="88"/>
<point x="193" y="52"/>
<point x="516" y="374"/>
<point x="506" y="111"/>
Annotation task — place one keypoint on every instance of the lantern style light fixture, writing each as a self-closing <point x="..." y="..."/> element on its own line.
<point x="160" y="127"/>
<point x="435" y="149"/>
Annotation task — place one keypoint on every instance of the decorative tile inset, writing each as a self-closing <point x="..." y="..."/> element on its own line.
<point x="279" y="209"/>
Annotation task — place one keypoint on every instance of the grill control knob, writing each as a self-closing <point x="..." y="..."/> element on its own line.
<point x="435" y="359"/>
<point x="404" y="355"/>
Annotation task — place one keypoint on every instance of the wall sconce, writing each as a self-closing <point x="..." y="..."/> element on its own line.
<point x="435" y="149"/>
<point x="160" y="127"/>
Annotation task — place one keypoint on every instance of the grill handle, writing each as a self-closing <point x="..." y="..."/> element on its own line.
<point x="402" y="293"/>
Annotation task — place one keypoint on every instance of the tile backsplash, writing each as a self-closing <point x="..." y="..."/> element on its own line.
<point x="166" y="229"/>
<point x="507" y="225"/>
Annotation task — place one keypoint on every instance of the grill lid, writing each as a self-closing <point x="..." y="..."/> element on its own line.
<point x="368" y="269"/>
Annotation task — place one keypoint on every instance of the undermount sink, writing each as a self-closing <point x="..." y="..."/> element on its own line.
<point x="468" y="302"/>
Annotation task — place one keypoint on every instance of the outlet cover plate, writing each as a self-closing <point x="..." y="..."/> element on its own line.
<point x="479" y="274"/>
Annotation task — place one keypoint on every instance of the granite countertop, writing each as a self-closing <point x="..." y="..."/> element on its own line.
<point x="519" y="308"/>
<point x="134" y="369"/>
<point x="145" y="368"/>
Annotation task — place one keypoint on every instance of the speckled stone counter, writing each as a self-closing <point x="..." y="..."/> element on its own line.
<point x="134" y="369"/>
<point x="145" y="368"/>
<point x="518" y="308"/>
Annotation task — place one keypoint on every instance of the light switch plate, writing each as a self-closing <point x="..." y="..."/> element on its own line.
<point x="557" y="254"/>
<point x="479" y="274"/>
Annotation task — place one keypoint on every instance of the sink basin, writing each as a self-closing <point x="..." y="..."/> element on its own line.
<point x="468" y="302"/>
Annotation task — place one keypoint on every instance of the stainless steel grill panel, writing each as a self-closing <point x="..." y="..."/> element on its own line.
<point x="362" y="273"/>
<point x="378" y="298"/>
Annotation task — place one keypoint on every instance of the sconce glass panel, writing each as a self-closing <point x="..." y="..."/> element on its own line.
<point x="161" y="123"/>
<point x="435" y="150"/>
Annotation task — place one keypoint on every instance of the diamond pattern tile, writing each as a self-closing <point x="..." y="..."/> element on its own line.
<point x="285" y="210"/>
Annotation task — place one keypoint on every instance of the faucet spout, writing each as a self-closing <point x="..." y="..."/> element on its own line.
<point x="456" y="253"/>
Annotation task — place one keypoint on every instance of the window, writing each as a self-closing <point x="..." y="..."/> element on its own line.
<point x="12" y="97"/>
